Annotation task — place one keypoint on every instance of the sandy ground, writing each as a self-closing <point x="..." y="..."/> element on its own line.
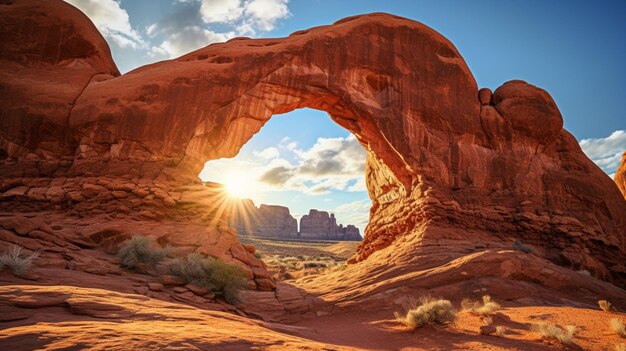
<point x="70" y="318"/>
<point x="341" y="249"/>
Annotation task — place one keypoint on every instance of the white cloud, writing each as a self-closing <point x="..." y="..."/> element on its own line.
<point x="356" y="212"/>
<point x="267" y="153"/>
<point x="189" y="39"/>
<point x="221" y="11"/>
<point x="151" y="30"/>
<point x="187" y="28"/>
<point x="288" y="144"/>
<point x="248" y="16"/>
<point x="606" y="152"/>
<point x="265" y="13"/>
<point x="330" y="164"/>
<point x="112" y="21"/>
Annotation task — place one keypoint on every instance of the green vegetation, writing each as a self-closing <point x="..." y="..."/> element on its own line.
<point x="427" y="310"/>
<point x="216" y="275"/>
<point x="17" y="260"/>
<point x="138" y="251"/>
<point x="556" y="332"/>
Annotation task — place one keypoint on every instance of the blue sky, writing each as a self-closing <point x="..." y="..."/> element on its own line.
<point x="576" y="50"/>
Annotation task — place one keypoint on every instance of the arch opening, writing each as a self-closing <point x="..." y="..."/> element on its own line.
<point x="300" y="160"/>
<point x="296" y="191"/>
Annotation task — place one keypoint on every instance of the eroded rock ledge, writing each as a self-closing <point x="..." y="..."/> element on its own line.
<point x="441" y="153"/>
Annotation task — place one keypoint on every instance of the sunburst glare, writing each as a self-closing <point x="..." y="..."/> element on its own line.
<point x="239" y="184"/>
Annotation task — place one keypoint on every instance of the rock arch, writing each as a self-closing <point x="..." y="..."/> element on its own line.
<point x="441" y="153"/>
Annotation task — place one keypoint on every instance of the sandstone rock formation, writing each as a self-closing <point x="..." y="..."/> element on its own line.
<point x="270" y="221"/>
<point x="77" y="137"/>
<point x="59" y="54"/>
<point x="318" y="225"/>
<point x="275" y="222"/>
<point x="620" y="176"/>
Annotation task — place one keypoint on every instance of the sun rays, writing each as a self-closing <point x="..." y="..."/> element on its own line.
<point x="239" y="185"/>
<point x="228" y="201"/>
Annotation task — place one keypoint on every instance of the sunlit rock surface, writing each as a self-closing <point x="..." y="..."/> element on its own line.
<point x="276" y="222"/>
<point x="268" y="221"/>
<point x="79" y="139"/>
<point x="620" y="175"/>
<point x="319" y="225"/>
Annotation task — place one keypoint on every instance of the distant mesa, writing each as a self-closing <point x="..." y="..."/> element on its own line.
<point x="320" y="225"/>
<point x="276" y="222"/>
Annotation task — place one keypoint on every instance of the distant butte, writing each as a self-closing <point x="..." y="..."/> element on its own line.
<point x="276" y="222"/>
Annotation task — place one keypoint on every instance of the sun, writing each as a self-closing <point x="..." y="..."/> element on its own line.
<point x="239" y="185"/>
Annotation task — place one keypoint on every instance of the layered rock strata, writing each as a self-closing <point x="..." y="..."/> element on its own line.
<point x="319" y="225"/>
<point x="620" y="176"/>
<point x="275" y="222"/>
<point x="268" y="221"/>
<point x="441" y="154"/>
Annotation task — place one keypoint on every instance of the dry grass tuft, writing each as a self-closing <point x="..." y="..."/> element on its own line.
<point x="488" y="307"/>
<point x="605" y="305"/>
<point x="17" y="260"/>
<point x="214" y="274"/>
<point x="138" y="251"/>
<point x="620" y="347"/>
<point x="428" y="310"/>
<point x="618" y="327"/>
<point x="500" y="330"/>
<point x="556" y="332"/>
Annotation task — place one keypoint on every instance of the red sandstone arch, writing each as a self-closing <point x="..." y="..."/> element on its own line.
<point x="441" y="154"/>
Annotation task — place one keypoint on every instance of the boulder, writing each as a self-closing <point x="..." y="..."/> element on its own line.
<point x="155" y="286"/>
<point x="171" y="280"/>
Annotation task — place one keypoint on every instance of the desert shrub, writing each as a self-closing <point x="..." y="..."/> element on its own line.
<point x="618" y="327"/>
<point x="216" y="275"/>
<point x="620" y="347"/>
<point x="486" y="308"/>
<point x="138" y="251"/>
<point x="17" y="260"/>
<point x="554" y="331"/>
<point x="314" y="265"/>
<point x="605" y="305"/>
<point x="517" y="245"/>
<point x="584" y="272"/>
<point x="258" y="255"/>
<point x="428" y="311"/>
<point x="500" y="330"/>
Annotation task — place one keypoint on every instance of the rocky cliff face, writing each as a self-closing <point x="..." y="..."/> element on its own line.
<point x="275" y="222"/>
<point x="319" y="225"/>
<point x="442" y="155"/>
<point x="268" y="221"/>
<point x="620" y="176"/>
